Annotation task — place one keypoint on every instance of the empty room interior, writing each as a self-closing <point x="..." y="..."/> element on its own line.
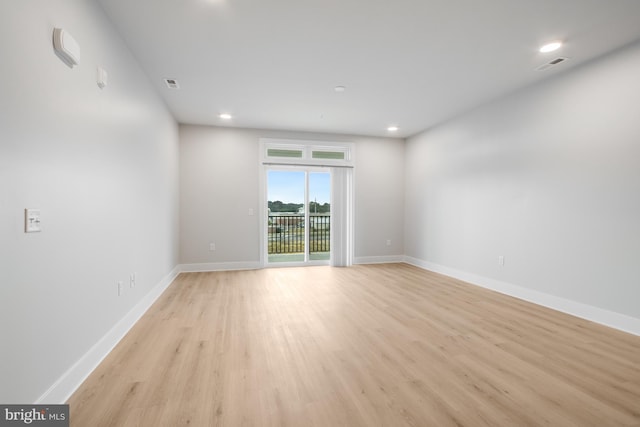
<point x="358" y="213"/>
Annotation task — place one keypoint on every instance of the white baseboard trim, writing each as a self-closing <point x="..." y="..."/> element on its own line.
<point x="64" y="387"/>
<point x="378" y="259"/>
<point x="219" y="266"/>
<point x="612" y="319"/>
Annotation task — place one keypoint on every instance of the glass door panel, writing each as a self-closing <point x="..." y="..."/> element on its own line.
<point x="319" y="216"/>
<point x="286" y="214"/>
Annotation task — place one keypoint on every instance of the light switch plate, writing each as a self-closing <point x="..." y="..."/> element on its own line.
<point x="32" y="221"/>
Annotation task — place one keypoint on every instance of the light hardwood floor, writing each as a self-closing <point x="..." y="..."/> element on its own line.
<point x="379" y="345"/>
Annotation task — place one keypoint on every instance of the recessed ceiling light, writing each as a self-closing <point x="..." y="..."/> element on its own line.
<point x="550" y="47"/>
<point x="339" y="88"/>
<point x="393" y="128"/>
<point x="225" y="116"/>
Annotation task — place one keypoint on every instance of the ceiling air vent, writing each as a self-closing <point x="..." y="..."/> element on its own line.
<point x="551" y="63"/>
<point x="172" y="83"/>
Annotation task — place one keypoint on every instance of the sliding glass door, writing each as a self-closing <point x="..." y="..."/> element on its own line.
<point x="299" y="215"/>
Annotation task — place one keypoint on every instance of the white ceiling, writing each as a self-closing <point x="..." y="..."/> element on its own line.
<point x="274" y="64"/>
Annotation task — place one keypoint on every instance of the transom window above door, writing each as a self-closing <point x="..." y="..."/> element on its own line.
<point x="309" y="153"/>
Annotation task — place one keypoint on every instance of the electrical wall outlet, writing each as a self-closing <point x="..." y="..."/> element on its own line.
<point x="119" y="288"/>
<point x="212" y="247"/>
<point x="501" y="260"/>
<point x="132" y="280"/>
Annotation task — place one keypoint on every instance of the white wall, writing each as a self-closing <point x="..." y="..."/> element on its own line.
<point x="220" y="182"/>
<point x="548" y="177"/>
<point x="103" y="168"/>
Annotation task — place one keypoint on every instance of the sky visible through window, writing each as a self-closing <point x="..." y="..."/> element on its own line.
<point x="288" y="187"/>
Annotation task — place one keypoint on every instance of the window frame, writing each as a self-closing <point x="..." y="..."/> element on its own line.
<point x="307" y="150"/>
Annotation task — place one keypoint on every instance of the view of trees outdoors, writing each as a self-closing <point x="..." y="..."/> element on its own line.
<point x="314" y="207"/>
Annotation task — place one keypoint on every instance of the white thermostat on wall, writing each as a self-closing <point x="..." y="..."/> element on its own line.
<point x="66" y="46"/>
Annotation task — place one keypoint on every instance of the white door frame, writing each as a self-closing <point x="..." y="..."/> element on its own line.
<point x="300" y="154"/>
<point x="264" y="255"/>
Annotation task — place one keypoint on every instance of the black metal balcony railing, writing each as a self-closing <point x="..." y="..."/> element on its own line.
<point x="286" y="234"/>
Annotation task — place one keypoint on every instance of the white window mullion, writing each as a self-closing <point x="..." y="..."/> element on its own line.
<point x="306" y="217"/>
